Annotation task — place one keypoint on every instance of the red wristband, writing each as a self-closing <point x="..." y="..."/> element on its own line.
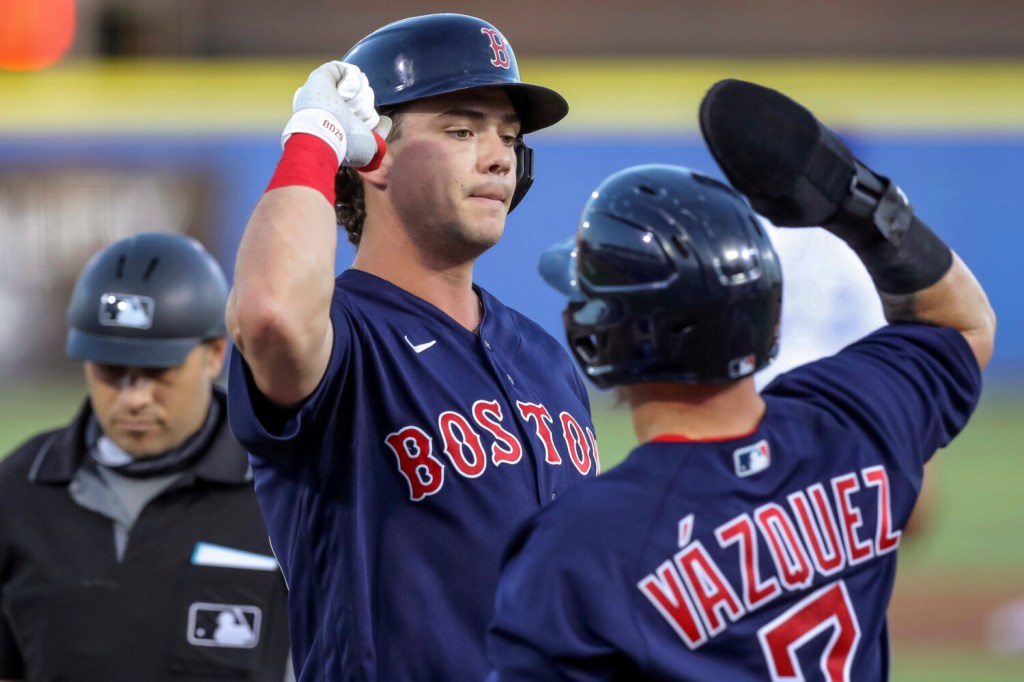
<point x="307" y="161"/>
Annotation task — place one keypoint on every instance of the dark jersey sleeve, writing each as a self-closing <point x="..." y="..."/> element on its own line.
<point x="285" y="435"/>
<point x="910" y="388"/>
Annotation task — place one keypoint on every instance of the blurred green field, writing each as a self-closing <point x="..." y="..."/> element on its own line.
<point x="945" y="664"/>
<point x="29" y="409"/>
<point x="973" y="536"/>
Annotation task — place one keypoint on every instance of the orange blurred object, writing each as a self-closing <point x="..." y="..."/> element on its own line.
<point x="35" y="34"/>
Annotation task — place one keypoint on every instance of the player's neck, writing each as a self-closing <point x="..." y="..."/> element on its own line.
<point x="447" y="286"/>
<point x="699" y="412"/>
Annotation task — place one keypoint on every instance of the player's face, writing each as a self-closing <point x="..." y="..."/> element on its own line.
<point x="452" y="171"/>
<point x="148" y="411"/>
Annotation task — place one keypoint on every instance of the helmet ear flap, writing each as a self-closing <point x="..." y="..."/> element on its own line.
<point x="524" y="172"/>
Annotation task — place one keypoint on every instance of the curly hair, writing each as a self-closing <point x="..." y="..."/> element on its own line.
<point x="350" y="199"/>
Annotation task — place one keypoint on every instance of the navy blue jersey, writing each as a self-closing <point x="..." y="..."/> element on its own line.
<point x="390" y="493"/>
<point x="766" y="557"/>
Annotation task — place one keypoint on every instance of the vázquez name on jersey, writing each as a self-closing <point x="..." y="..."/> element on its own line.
<point x="819" y="534"/>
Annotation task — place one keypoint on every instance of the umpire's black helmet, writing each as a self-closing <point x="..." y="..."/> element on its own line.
<point x="146" y="301"/>
<point x="671" y="278"/>
<point x="437" y="54"/>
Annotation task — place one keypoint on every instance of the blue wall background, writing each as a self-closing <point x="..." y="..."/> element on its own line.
<point x="967" y="187"/>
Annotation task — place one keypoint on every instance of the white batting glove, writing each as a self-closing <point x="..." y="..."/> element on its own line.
<point x="355" y="89"/>
<point x="321" y="110"/>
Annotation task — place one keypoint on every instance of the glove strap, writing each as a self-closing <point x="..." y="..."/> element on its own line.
<point x="920" y="260"/>
<point x="307" y="161"/>
<point x="321" y="123"/>
<point x="900" y="252"/>
<point x="382" y="149"/>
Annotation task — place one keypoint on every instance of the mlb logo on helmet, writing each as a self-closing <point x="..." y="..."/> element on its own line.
<point x="741" y="367"/>
<point x="223" y="625"/>
<point x="126" y="310"/>
<point x="752" y="459"/>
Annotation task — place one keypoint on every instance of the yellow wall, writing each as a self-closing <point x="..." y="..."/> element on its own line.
<point x="648" y="96"/>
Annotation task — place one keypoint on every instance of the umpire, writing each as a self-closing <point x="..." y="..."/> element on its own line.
<point x="131" y="545"/>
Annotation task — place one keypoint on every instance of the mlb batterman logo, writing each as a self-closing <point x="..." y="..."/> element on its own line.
<point x="126" y="310"/>
<point x="752" y="459"/>
<point x="741" y="367"/>
<point x="229" y="626"/>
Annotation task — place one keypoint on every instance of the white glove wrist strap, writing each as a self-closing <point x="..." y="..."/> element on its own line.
<point x="321" y="123"/>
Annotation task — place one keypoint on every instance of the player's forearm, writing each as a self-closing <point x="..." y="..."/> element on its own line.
<point x="957" y="301"/>
<point x="279" y="308"/>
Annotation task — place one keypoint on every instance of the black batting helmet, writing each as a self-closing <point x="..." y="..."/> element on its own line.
<point x="146" y="301"/>
<point x="671" y="278"/>
<point x="441" y="53"/>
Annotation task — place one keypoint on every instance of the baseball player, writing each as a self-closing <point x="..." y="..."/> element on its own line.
<point x="750" y="536"/>
<point x="128" y="535"/>
<point x="401" y="420"/>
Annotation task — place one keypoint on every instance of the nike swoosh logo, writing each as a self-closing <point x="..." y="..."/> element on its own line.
<point x="419" y="347"/>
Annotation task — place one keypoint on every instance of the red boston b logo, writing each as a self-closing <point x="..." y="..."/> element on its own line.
<point x="499" y="47"/>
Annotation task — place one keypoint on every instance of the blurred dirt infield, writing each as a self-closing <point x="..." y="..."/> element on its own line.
<point x="956" y="612"/>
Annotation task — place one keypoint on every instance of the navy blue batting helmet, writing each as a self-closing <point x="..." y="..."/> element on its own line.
<point x="671" y="278"/>
<point x="441" y="53"/>
<point x="146" y="301"/>
<point x="438" y="54"/>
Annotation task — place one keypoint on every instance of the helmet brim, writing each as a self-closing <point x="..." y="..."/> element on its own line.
<point x="537" y="107"/>
<point x="558" y="268"/>
<point x="128" y="352"/>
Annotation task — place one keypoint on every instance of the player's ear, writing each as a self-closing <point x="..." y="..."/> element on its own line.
<point x="216" y="354"/>
<point x="378" y="178"/>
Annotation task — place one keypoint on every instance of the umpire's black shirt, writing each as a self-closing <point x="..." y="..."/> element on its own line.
<point x="179" y="605"/>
